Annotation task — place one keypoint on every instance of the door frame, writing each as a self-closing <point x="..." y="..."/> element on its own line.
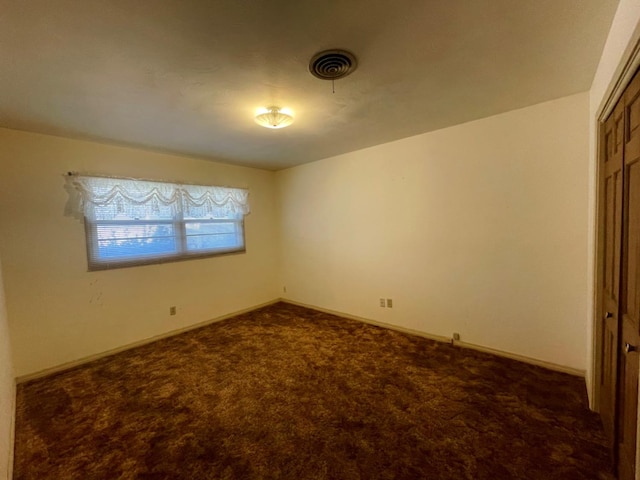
<point x="627" y="68"/>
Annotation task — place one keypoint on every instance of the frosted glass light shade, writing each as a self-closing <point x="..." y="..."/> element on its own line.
<point x="274" y="117"/>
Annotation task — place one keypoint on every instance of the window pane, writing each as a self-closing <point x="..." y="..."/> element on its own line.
<point x="200" y="228"/>
<point x="207" y="236"/>
<point x="139" y="222"/>
<point x="126" y="241"/>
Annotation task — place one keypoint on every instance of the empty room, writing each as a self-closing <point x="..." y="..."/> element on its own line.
<point x="319" y="239"/>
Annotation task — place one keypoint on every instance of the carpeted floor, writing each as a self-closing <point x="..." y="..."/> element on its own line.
<point x="290" y="393"/>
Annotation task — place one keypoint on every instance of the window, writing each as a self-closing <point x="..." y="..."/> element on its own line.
<point x="135" y="222"/>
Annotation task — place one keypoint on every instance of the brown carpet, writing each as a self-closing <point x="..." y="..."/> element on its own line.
<point x="290" y="393"/>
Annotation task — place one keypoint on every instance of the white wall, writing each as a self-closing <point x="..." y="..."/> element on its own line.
<point x="7" y="391"/>
<point x="623" y="36"/>
<point x="59" y="312"/>
<point x="479" y="229"/>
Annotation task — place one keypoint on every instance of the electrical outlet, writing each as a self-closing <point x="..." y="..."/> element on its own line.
<point x="382" y="303"/>
<point x="389" y="302"/>
<point x="172" y="310"/>
<point x="456" y="337"/>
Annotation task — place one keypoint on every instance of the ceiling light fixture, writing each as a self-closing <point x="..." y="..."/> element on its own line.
<point x="274" y="117"/>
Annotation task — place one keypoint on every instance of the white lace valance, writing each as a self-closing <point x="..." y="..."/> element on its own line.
<point x="105" y="198"/>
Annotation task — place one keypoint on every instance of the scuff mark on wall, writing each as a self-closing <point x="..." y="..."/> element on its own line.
<point x="96" y="297"/>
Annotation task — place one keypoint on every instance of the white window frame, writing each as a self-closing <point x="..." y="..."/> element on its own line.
<point x="80" y="206"/>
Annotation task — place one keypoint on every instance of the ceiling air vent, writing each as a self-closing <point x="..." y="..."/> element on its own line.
<point x="332" y="64"/>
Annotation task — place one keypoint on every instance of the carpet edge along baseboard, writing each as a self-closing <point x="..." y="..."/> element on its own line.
<point x="439" y="338"/>
<point x="81" y="361"/>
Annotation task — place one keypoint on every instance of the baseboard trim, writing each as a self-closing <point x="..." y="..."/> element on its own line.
<point x="521" y="358"/>
<point x="81" y="361"/>
<point x="439" y="338"/>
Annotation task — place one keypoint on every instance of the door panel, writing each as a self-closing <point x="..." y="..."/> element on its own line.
<point x="628" y="403"/>
<point x="611" y="218"/>
<point x="629" y="301"/>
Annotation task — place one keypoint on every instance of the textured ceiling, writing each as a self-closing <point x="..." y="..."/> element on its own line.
<point x="186" y="76"/>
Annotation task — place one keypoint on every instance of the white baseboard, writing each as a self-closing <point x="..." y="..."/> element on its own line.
<point x="457" y="343"/>
<point x="129" y="346"/>
<point x="438" y="338"/>
<point x="521" y="358"/>
<point x="390" y="326"/>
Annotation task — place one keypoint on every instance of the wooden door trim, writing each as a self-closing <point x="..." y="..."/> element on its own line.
<point x="621" y="81"/>
<point x="622" y="78"/>
<point x="598" y="326"/>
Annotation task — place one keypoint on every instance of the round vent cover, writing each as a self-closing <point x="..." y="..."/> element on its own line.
<point x="332" y="64"/>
